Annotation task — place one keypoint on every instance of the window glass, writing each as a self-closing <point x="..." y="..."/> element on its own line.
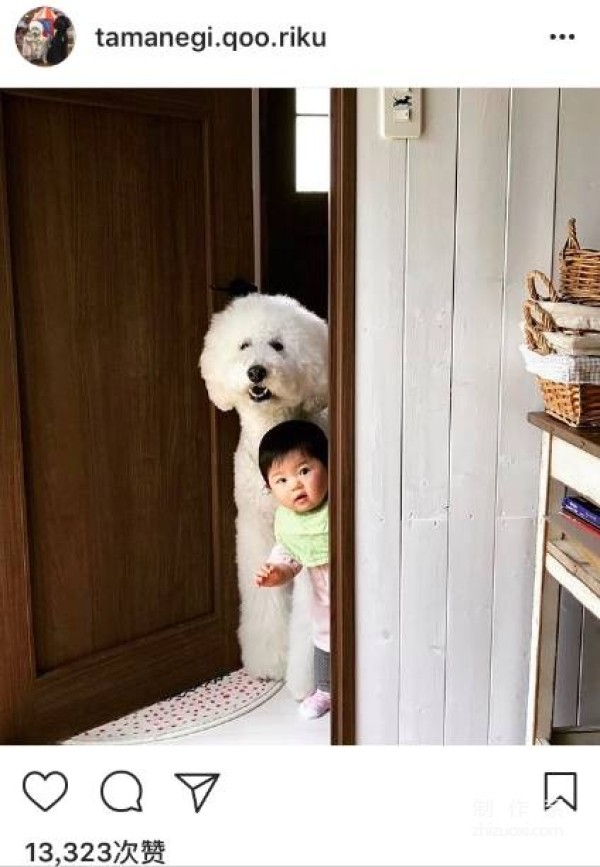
<point x="312" y="100"/>
<point x="312" y="140"/>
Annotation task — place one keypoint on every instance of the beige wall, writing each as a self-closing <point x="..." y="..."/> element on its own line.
<point x="448" y="226"/>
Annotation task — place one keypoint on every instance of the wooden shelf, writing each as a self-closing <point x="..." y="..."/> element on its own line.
<point x="586" y="591"/>
<point x="575" y="561"/>
<point x="583" y="538"/>
<point x="576" y="736"/>
<point x="588" y="440"/>
<point x="567" y="556"/>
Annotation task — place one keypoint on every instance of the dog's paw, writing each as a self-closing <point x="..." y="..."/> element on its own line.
<point x="265" y="671"/>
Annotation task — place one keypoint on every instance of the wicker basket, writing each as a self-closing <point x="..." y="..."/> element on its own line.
<point x="536" y="320"/>
<point x="579" y="271"/>
<point x="576" y="405"/>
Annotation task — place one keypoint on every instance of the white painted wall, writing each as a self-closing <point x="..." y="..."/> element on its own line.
<point x="447" y="465"/>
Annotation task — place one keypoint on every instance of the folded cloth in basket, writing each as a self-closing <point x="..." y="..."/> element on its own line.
<point x="575" y="370"/>
<point x="576" y="317"/>
<point x="574" y="344"/>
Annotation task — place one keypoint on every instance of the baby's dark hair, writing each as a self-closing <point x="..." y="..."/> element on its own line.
<point x="291" y="436"/>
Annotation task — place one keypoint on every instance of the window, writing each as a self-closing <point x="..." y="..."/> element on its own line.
<point x="312" y="140"/>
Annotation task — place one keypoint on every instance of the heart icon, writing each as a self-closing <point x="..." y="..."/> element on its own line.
<point x="45" y="790"/>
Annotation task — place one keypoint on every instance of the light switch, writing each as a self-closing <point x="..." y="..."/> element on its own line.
<point x="401" y="114"/>
<point x="401" y="110"/>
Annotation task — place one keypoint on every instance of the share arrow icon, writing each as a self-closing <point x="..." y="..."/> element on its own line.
<point x="200" y="785"/>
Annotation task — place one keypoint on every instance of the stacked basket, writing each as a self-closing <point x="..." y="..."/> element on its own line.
<point x="562" y="335"/>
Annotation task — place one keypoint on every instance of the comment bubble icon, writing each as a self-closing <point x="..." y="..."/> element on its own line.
<point x="121" y="791"/>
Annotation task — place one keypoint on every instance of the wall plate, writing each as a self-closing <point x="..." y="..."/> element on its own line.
<point x="401" y="112"/>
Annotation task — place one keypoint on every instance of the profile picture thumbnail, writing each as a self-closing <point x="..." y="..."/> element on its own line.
<point x="45" y="36"/>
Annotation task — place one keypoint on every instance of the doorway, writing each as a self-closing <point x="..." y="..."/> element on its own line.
<point x="317" y="266"/>
<point x="294" y="195"/>
<point x="89" y="636"/>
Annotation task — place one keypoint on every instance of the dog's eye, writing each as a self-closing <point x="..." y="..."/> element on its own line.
<point x="277" y="345"/>
<point x="245" y="344"/>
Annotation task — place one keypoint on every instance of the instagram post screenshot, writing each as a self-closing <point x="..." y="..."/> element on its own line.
<point x="299" y="435"/>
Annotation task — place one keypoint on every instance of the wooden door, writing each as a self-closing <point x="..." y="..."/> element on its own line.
<point x="119" y="209"/>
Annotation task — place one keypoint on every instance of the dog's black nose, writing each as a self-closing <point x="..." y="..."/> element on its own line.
<point x="257" y="373"/>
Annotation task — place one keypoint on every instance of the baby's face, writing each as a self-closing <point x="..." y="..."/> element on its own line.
<point x="298" y="482"/>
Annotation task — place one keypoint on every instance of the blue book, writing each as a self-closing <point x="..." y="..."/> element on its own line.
<point x="582" y="509"/>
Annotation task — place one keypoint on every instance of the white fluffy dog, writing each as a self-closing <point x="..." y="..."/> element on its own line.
<point x="266" y="357"/>
<point x="35" y="42"/>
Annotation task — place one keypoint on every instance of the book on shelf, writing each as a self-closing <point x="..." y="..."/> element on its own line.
<point x="582" y="509"/>
<point x="583" y="525"/>
<point x="590" y="550"/>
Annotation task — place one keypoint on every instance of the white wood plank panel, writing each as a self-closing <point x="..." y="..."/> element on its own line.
<point x="513" y="596"/>
<point x="480" y="222"/>
<point x="578" y="188"/>
<point x="529" y="234"/>
<point x="426" y="420"/>
<point x="381" y="195"/>
<point x="423" y="631"/>
<point x="380" y="265"/>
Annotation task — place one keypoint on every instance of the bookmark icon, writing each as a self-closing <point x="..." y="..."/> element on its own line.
<point x="200" y="785"/>
<point x="560" y="787"/>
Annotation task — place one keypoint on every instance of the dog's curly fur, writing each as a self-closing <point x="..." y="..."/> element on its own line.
<point x="265" y="356"/>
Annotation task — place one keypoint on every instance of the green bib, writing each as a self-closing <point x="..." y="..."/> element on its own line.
<point x="305" y="535"/>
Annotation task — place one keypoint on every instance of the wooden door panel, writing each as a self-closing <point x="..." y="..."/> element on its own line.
<point x="74" y="697"/>
<point x="115" y="436"/>
<point x="119" y="214"/>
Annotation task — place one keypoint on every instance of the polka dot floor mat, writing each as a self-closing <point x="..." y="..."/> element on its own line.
<point x="210" y="704"/>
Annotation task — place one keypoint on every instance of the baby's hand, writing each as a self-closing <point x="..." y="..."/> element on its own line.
<point x="262" y="574"/>
<point x="271" y="575"/>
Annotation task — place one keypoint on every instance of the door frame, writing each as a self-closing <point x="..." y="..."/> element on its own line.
<point x="342" y="243"/>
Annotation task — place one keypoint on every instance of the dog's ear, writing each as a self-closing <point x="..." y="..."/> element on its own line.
<point x="319" y="396"/>
<point x="237" y="288"/>
<point x="315" y="352"/>
<point x="218" y="394"/>
<point x="316" y="383"/>
<point x="316" y="404"/>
